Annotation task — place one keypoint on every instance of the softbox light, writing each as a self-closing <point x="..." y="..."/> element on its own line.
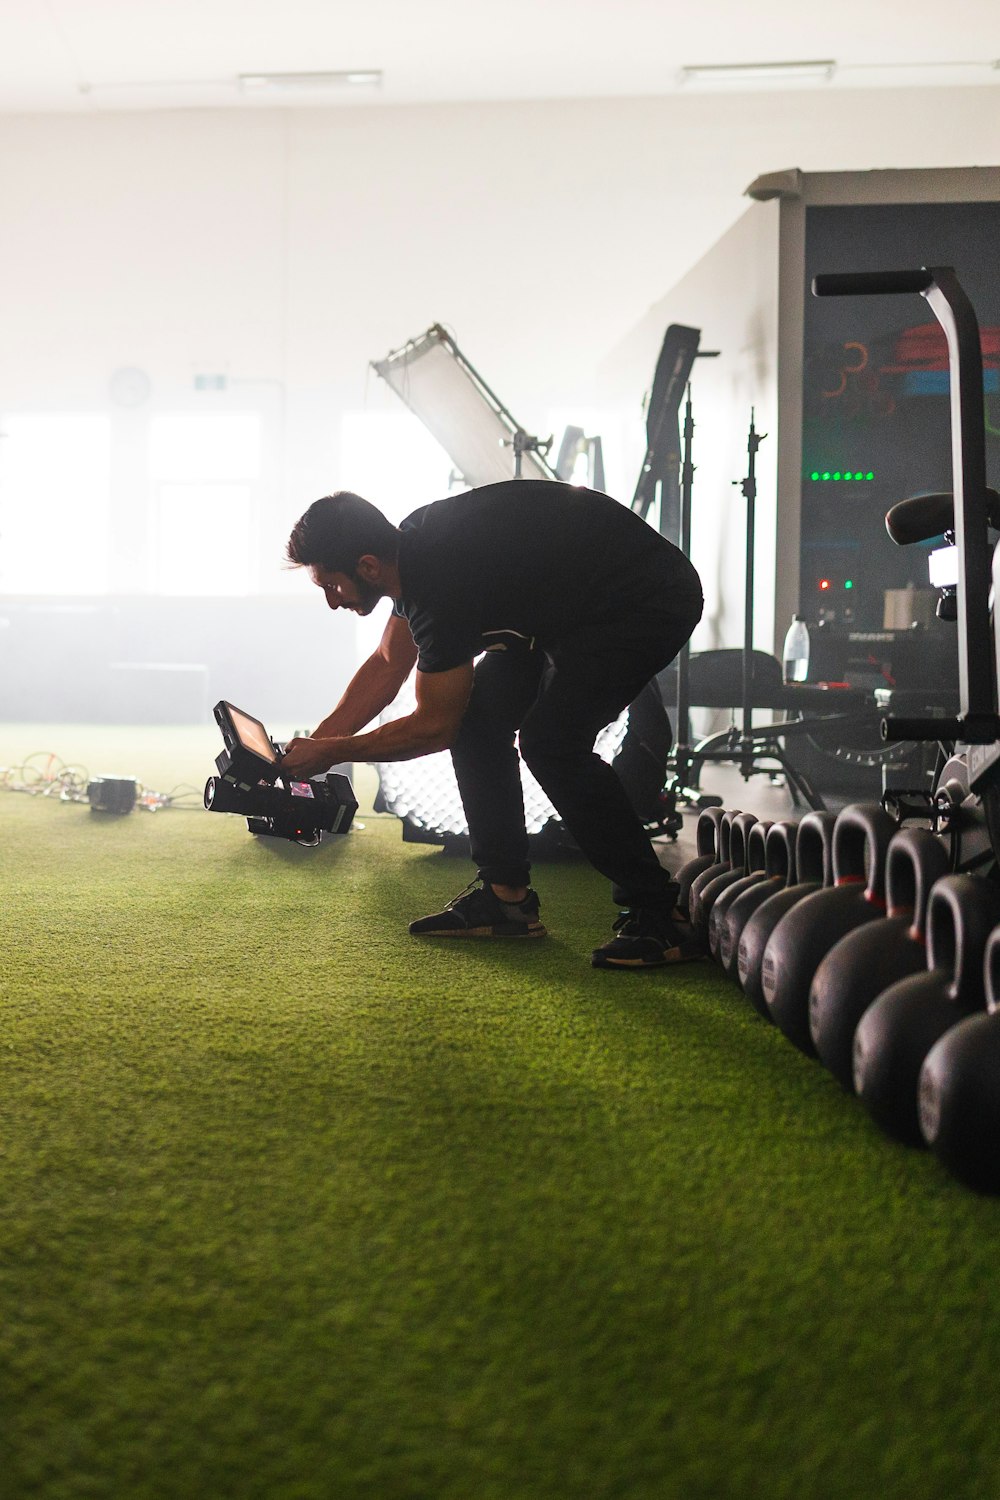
<point x="439" y="385"/>
<point x="424" y="793"/>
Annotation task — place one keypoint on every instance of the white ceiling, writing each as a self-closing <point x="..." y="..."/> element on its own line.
<point x="172" y="54"/>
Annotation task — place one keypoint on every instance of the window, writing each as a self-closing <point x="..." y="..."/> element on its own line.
<point x="55" y="502"/>
<point x="203" y="466"/>
<point x="204" y="540"/>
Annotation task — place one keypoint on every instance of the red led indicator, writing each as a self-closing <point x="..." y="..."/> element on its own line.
<point x="824" y="583"/>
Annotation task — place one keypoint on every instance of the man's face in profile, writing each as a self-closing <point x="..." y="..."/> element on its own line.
<point x="347" y="590"/>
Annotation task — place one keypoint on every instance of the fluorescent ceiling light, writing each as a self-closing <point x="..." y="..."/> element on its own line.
<point x="292" y="82"/>
<point x="737" y="73"/>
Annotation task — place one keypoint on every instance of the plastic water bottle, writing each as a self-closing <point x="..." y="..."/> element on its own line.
<point x="796" y="651"/>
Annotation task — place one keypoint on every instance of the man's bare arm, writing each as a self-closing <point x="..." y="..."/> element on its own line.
<point x="441" y="702"/>
<point x="375" y="683"/>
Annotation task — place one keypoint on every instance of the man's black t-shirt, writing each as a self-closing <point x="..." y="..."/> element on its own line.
<point x="533" y="559"/>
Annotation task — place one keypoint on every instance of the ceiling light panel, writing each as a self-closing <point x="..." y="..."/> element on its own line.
<point x="347" y="78"/>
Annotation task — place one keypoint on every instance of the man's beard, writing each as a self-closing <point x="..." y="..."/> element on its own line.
<point x="368" y="594"/>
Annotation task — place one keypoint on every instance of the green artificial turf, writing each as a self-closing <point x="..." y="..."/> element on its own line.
<point x="296" y="1206"/>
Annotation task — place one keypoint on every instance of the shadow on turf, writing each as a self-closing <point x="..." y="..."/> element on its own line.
<point x="331" y="851"/>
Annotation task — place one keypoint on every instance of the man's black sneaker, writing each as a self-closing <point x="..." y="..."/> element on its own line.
<point x="479" y="912"/>
<point x="647" y="939"/>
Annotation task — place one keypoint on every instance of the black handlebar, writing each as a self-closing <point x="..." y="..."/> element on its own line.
<point x="871" y="283"/>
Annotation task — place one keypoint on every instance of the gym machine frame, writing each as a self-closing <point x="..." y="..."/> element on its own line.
<point x="977" y="724"/>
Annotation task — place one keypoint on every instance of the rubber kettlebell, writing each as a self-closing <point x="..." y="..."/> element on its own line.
<point x="753" y="863"/>
<point x="721" y="866"/>
<point x="707" y="844"/>
<point x="739" y="832"/>
<point x="958" y="1094"/>
<point x="779" y="871"/>
<point x="806" y="934"/>
<point x="814" y="870"/>
<point x="865" y="962"/>
<point x="898" y="1030"/>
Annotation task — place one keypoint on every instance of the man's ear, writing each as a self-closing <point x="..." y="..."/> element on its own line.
<point x="369" y="568"/>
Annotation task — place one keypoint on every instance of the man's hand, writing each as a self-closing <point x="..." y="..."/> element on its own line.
<point x="310" y="757"/>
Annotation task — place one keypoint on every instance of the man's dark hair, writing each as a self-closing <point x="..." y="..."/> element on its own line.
<point x="338" y="529"/>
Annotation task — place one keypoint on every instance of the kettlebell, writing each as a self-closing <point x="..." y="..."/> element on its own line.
<point x="806" y="934"/>
<point x="753" y="863"/>
<point x="814" y="870"/>
<point x="900" y="1027"/>
<point x="707" y="844"/>
<point x="958" y="1097"/>
<point x="865" y="962"/>
<point x="779" y="870"/>
<point x="739" y="831"/>
<point x="721" y="866"/>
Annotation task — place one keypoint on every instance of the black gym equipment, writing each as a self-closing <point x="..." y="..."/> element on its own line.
<point x="861" y="965"/>
<point x="721" y="866"/>
<point x="959" y="1090"/>
<point x="806" y="934"/>
<point x="707" y="843"/>
<point x="976" y="724"/>
<point x="667" y="478"/>
<point x="814" y="871"/>
<point x="739" y="832"/>
<point x="753" y="863"/>
<point x="898" y="1030"/>
<point x="779" y="872"/>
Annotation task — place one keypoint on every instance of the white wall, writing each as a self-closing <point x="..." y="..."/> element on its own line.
<point x="294" y="247"/>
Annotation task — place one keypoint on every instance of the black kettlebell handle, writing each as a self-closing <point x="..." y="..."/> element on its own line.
<point x="739" y="832"/>
<point x="707" y="831"/>
<point x="991" y="970"/>
<point x="779" y="851"/>
<point x="726" y="835"/>
<point x="814" y="848"/>
<point x="916" y="859"/>
<point x="757" y="848"/>
<point x="961" y="913"/>
<point x="860" y="847"/>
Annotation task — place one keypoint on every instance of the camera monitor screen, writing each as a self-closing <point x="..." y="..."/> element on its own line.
<point x="251" y="734"/>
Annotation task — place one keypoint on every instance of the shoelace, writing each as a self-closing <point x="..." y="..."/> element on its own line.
<point x="472" y="887"/>
<point x="630" y="919"/>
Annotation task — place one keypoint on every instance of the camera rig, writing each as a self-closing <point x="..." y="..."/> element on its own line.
<point x="250" y="782"/>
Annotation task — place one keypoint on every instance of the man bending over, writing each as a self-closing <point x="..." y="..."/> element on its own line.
<point x="571" y="604"/>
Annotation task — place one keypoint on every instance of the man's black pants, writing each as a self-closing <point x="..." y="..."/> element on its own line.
<point x="560" y="700"/>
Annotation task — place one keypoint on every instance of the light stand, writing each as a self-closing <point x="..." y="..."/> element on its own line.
<point x="748" y="488"/>
<point x="748" y="746"/>
<point x="683" y="788"/>
<point x="523" y="443"/>
<point x="432" y="376"/>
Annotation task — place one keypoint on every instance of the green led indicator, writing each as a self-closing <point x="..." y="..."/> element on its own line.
<point x="838" y="474"/>
<point x="848" y="583"/>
